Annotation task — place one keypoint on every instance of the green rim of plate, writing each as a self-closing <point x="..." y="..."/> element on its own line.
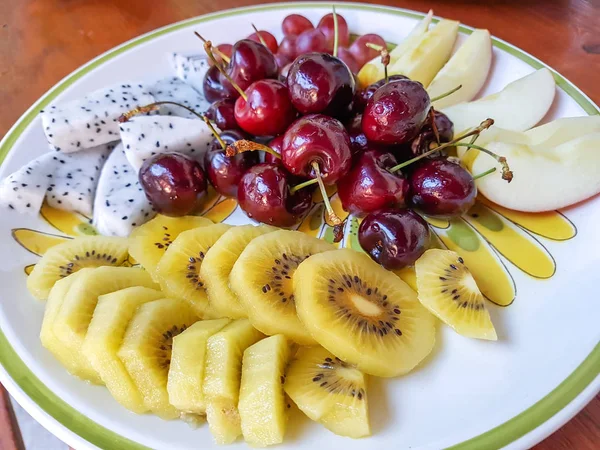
<point x="102" y="437"/>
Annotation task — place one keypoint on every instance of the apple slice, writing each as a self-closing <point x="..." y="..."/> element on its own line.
<point x="562" y="130"/>
<point x="373" y="70"/>
<point x="468" y="67"/>
<point x="545" y="178"/>
<point x="517" y="107"/>
<point x="423" y="61"/>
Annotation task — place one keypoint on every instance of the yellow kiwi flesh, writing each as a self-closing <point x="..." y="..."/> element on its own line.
<point x="262" y="403"/>
<point x="104" y="337"/>
<point x="217" y="266"/>
<point x="178" y="270"/>
<point x="363" y="314"/>
<point x="262" y="280"/>
<point x="149" y="242"/>
<point x="329" y="391"/>
<point x="447" y="289"/>
<point x="72" y="255"/>
<point x="146" y="350"/>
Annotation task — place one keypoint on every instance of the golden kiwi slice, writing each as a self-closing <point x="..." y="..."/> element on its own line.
<point x="149" y="242"/>
<point x="68" y="257"/>
<point x="178" y="270"/>
<point x="329" y="391"/>
<point x="262" y="280"/>
<point x="362" y="313"/>
<point x="448" y="290"/>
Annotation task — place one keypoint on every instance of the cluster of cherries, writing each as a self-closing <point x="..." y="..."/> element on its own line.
<point x="315" y="127"/>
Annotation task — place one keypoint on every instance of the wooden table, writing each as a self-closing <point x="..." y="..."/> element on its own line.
<point x="41" y="41"/>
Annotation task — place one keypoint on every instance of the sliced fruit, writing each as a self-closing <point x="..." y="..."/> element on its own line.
<point x="178" y="270"/>
<point x="448" y="290"/>
<point x="146" y="350"/>
<point x="186" y="372"/>
<point x="329" y="391"/>
<point x="75" y="314"/>
<point x="104" y="337"/>
<point x="262" y="404"/>
<point x="262" y="280"/>
<point x="70" y="256"/>
<point x="362" y="313"/>
<point x="49" y="340"/>
<point x="149" y="242"/>
<point x="562" y="130"/>
<point x="222" y="375"/>
<point x="468" y="68"/>
<point x="517" y="107"/>
<point x="373" y="71"/>
<point x="423" y="61"/>
<point x="217" y="265"/>
<point x="546" y="178"/>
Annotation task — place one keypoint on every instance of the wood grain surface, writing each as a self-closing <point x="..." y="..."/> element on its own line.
<point x="41" y="41"/>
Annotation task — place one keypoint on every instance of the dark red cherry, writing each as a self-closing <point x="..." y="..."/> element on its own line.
<point x="264" y="195"/>
<point x="363" y="54"/>
<point x="321" y="83"/>
<point x="223" y="48"/>
<point x="267" y="110"/>
<point x="426" y="139"/>
<point x="326" y="26"/>
<point x="213" y="88"/>
<point x="321" y="139"/>
<point x="394" y="238"/>
<point x="311" y="41"/>
<point x="250" y="62"/>
<point x="439" y="187"/>
<point x="345" y="55"/>
<point x="267" y="37"/>
<point x="287" y="47"/>
<point x="222" y="114"/>
<point x="363" y="95"/>
<point x="358" y="140"/>
<point x="276" y="144"/>
<point x="369" y="186"/>
<point x="294" y="24"/>
<point x="396" y="112"/>
<point x="224" y="172"/>
<point x="175" y="184"/>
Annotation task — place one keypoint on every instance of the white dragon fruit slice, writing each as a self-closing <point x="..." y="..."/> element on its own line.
<point x="25" y="189"/>
<point x="190" y="69"/>
<point x="121" y="203"/>
<point x="174" y="90"/>
<point x="92" y="120"/>
<point x="145" y="136"/>
<point x="73" y="186"/>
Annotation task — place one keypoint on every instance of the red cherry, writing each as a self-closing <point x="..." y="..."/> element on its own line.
<point x="282" y="61"/>
<point x="311" y="41"/>
<point x="396" y="112"/>
<point x="267" y="37"/>
<point x="363" y="95"/>
<point x="250" y="62"/>
<point x="276" y="144"/>
<point x="213" y="88"/>
<point x="345" y="55"/>
<point x="363" y="54"/>
<point x="222" y="114"/>
<point x="294" y="24"/>
<point x="358" y="140"/>
<point x="266" y="110"/>
<point x="321" y="139"/>
<point x="175" y="184"/>
<point x="226" y="49"/>
<point x="264" y="195"/>
<point x="369" y="186"/>
<point x="288" y="47"/>
<point x="326" y="26"/>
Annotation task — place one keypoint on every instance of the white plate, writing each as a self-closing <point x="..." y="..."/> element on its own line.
<point x="469" y="393"/>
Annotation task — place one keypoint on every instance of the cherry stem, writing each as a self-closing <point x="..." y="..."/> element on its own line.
<point x="331" y="218"/>
<point x="208" y="48"/>
<point x="214" y="132"/>
<point x="222" y="55"/>
<point x="446" y="94"/>
<point x="487" y="172"/>
<point x="335" y="32"/>
<point x="506" y="172"/>
<point x="296" y="188"/>
<point x="244" y="145"/>
<point x="260" y="38"/>
<point x="483" y="126"/>
<point x="153" y="107"/>
<point x="385" y="57"/>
